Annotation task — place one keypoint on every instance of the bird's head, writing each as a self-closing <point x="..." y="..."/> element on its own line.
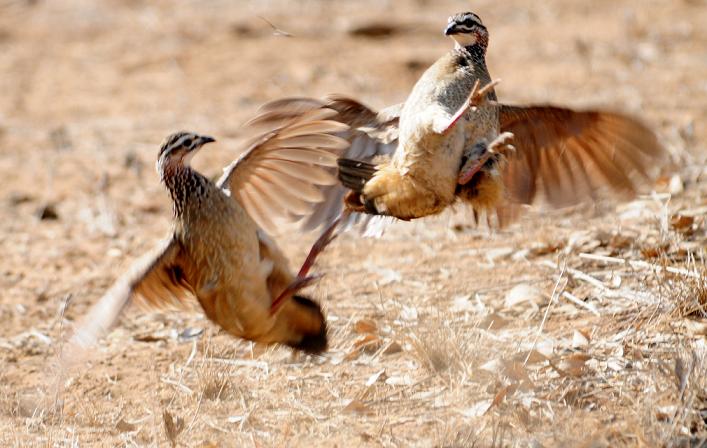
<point x="467" y="30"/>
<point x="179" y="148"/>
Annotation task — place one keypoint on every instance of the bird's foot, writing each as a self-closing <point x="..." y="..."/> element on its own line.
<point x="501" y="144"/>
<point x="471" y="167"/>
<point x="476" y="98"/>
<point x="498" y="146"/>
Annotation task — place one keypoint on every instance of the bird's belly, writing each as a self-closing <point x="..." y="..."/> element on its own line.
<point x="230" y="282"/>
<point x="223" y="247"/>
<point x="480" y="125"/>
<point x="433" y="159"/>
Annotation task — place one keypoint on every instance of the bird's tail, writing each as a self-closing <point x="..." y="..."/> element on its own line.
<point x="301" y="325"/>
<point x="354" y="174"/>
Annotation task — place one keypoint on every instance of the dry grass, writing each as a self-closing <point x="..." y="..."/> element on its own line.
<point x="582" y="328"/>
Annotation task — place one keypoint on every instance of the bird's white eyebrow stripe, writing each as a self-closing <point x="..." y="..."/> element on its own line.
<point x="182" y="138"/>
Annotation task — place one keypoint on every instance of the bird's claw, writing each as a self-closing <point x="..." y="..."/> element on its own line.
<point x="476" y="98"/>
<point x="498" y="146"/>
<point x="501" y="145"/>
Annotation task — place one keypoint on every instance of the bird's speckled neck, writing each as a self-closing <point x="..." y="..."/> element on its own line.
<point x="185" y="185"/>
<point x="474" y="54"/>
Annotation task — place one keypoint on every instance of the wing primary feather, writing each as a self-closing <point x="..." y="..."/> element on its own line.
<point x="305" y="190"/>
<point x="143" y="280"/>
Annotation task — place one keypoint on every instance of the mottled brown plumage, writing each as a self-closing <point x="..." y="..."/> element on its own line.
<point x="400" y="164"/>
<point x="219" y="252"/>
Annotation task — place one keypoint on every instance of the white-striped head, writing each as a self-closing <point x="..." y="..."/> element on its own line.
<point x="180" y="147"/>
<point x="467" y="30"/>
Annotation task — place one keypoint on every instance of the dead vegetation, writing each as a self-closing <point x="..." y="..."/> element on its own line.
<point x="576" y="328"/>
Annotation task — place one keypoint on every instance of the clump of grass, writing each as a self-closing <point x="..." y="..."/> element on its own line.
<point x="443" y="350"/>
<point x="689" y="294"/>
<point x="216" y="383"/>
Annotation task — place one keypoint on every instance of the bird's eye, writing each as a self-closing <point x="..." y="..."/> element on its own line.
<point x="187" y="142"/>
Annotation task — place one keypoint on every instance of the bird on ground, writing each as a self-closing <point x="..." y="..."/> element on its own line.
<point x="219" y="251"/>
<point x="451" y="141"/>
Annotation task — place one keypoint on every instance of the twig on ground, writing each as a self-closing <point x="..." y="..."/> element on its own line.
<point x="553" y="299"/>
<point x="588" y="306"/>
<point x="276" y="31"/>
<point x="636" y="264"/>
<point x="243" y="363"/>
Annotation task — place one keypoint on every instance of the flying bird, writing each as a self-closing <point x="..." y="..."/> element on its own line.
<point x="452" y="141"/>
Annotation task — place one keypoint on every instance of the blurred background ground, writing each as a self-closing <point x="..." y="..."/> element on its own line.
<point x="568" y="329"/>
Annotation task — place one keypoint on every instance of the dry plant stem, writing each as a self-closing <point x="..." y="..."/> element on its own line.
<point x="275" y="30"/>
<point x="242" y="363"/>
<point x="579" y="275"/>
<point x="553" y="299"/>
<point x="642" y="264"/>
<point x="178" y="385"/>
<point x="196" y="414"/>
<point x="587" y="306"/>
<point x="189" y="360"/>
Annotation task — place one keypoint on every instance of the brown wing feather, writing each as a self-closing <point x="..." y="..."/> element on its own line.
<point x="370" y="135"/>
<point x="565" y="156"/>
<point x="156" y="280"/>
<point x="301" y="149"/>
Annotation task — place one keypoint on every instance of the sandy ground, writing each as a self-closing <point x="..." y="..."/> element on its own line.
<point x="442" y="334"/>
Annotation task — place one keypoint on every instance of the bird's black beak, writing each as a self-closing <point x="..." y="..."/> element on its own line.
<point x="204" y="139"/>
<point x="451" y="29"/>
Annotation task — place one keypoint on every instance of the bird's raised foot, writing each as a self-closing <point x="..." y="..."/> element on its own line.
<point x="481" y="153"/>
<point x="476" y="98"/>
<point x="501" y="145"/>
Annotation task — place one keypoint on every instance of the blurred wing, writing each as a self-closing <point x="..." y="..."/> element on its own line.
<point x="279" y="175"/>
<point x="370" y="135"/>
<point x="157" y="279"/>
<point x="564" y="156"/>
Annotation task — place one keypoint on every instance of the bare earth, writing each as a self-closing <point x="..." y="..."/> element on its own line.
<point x="442" y="334"/>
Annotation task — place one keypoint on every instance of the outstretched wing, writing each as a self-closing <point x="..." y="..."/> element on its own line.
<point x="565" y="156"/>
<point x="157" y="279"/>
<point x="369" y="135"/>
<point x="279" y="175"/>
